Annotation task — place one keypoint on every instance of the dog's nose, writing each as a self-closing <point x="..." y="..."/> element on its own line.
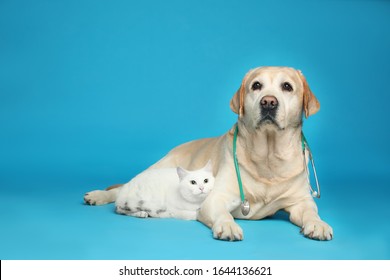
<point x="269" y="102"/>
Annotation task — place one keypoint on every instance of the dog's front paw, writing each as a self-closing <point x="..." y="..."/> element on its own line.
<point x="317" y="229"/>
<point x="227" y="231"/>
<point x="96" y="198"/>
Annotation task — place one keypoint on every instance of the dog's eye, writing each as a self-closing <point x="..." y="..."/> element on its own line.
<point x="206" y="181"/>
<point x="256" y="86"/>
<point x="287" y="86"/>
<point x="193" y="182"/>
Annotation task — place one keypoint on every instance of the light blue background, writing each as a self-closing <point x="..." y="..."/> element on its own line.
<point x="93" y="92"/>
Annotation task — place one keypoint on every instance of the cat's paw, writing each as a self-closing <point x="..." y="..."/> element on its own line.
<point x="96" y="198"/>
<point x="184" y="215"/>
<point x="229" y="231"/>
<point x="139" y="214"/>
<point x="124" y="210"/>
<point x="318" y="230"/>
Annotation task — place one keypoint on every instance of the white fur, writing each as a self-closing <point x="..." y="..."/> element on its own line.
<point x="166" y="192"/>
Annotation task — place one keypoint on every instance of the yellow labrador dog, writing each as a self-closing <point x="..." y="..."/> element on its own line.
<point x="270" y="104"/>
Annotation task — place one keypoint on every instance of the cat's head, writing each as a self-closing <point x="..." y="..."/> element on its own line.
<point x="195" y="185"/>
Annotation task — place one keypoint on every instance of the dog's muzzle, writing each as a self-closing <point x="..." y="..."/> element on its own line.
<point x="268" y="108"/>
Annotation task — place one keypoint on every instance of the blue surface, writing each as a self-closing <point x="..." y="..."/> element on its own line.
<point x="93" y="92"/>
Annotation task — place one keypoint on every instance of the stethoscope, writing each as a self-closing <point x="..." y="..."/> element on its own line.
<point x="245" y="207"/>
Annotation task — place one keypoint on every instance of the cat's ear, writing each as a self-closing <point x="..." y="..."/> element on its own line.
<point x="181" y="172"/>
<point x="208" y="167"/>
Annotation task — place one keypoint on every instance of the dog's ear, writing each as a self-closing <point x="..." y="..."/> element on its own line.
<point x="310" y="102"/>
<point x="237" y="101"/>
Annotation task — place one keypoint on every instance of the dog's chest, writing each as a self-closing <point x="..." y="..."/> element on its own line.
<point x="266" y="195"/>
<point x="271" y="170"/>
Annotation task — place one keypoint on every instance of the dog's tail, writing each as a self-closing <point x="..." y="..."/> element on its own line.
<point x="114" y="187"/>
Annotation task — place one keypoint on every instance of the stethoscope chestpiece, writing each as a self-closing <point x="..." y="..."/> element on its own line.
<point x="245" y="207"/>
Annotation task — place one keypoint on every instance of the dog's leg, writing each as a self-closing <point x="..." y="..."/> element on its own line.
<point x="99" y="197"/>
<point x="215" y="213"/>
<point x="305" y="215"/>
<point x="216" y="210"/>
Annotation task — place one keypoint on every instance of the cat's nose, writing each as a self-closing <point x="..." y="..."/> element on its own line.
<point x="201" y="188"/>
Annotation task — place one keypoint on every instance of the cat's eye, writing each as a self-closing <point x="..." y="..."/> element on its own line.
<point x="206" y="181"/>
<point x="193" y="182"/>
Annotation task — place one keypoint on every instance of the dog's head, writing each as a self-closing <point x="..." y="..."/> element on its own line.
<point x="274" y="97"/>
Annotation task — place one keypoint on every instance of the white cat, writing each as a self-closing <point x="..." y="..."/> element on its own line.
<point x="166" y="193"/>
